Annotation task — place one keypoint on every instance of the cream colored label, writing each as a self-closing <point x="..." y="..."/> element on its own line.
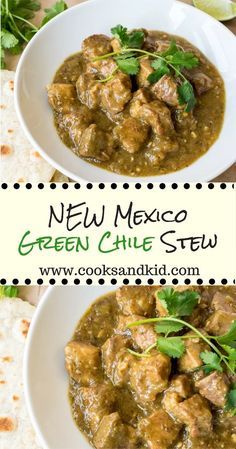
<point x="118" y="233"/>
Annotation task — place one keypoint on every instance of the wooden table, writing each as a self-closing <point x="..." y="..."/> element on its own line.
<point x="230" y="174"/>
<point x="32" y="294"/>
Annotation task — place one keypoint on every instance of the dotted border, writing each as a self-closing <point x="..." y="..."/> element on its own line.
<point x="114" y="281"/>
<point x="113" y="185"/>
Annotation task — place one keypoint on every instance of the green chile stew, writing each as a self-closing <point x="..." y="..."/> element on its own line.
<point x="140" y="103"/>
<point x="154" y="368"/>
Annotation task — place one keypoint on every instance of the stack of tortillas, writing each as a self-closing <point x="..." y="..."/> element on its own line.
<point x="16" y="431"/>
<point x="19" y="162"/>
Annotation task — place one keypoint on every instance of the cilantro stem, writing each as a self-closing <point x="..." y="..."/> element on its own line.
<point x="7" y="7"/>
<point x="108" y="77"/>
<point x="138" y="354"/>
<point x="144" y="52"/>
<point x="16" y="28"/>
<point x="26" y="21"/>
<point x="153" y="346"/>
<point x="196" y="331"/>
<point x="108" y="55"/>
<point x="146" y="353"/>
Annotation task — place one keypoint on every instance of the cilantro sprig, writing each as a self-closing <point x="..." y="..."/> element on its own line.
<point x="212" y="362"/>
<point x="178" y="303"/>
<point x="128" y="63"/>
<point x="186" y="95"/>
<point x="8" y="291"/>
<point x="134" y="39"/>
<point x="222" y="349"/>
<point x="172" y="346"/>
<point x="171" y="62"/>
<point x="17" y="29"/>
<point x="126" y="59"/>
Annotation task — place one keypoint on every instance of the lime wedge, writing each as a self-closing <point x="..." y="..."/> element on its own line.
<point x="219" y="9"/>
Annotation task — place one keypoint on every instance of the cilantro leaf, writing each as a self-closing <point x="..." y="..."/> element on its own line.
<point x="128" y="65"/>
<point x="172" y="61"/>
<point x="186" y="302"/>
<point x="166" y="295"/>
<point x="231" y="401"/>
<point x="9" y="291"/>
<point x="232" y="364"/>
<point x="126" y="55"/>
<point x="178" y="303"/>
<point x="8" y="40"/>
<point x="179" y="58"/>
<point x="186" y="95"/>
<point x="231" y="356"/>
<point x="24" y="8"/>
<point x="161" y="69"/>
<point x="230" y="351"/>
<point x="52" y="12"/>
<point x="166" y="327"/>
<point x="230" y="336"/>
<point x="120" y="33"/>
<point x="183" y="59"/>
<point x="212" y="361"/>
<point x="158" y="64"/>
<point x="29" y="33"/>
<point x="15" y="50"/>
<point x="134" y="39"/>
<point x="171" y="50"/>
<point x="172" y="346"/>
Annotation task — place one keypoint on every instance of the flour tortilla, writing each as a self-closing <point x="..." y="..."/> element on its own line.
<point x="16" y="431"/>
<point x="19" y="161"/>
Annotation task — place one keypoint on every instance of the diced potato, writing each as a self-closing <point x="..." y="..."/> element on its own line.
<point x="89" y="90"/>
<point x="115" y="359"/>
<point x="191" y="359"/>
<point x="96" y="144"/>
<point x="149" y="376"/>
<point x="114" y="433"/>
<point x="145" y="70"/>
<point x="158" y="430"/>
<point x="196" y="414"/>
<point x="96" y="45"/>
<point x="116" y="93"/>
<point x="136" y="301"/>
<point x="142" y="336"/>
<point x="166" y="90"/>
<point x="98" y="401"/>
<point x="220" y="322"/>
<point x="132" y="134"/>
<point x="62" y="97"/>
<point x="83" y="362"/>
<point x="214" y="388"/>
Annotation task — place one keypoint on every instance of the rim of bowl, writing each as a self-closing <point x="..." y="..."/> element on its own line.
<point x="27" y="356"/>
<point x="26" y="374"/>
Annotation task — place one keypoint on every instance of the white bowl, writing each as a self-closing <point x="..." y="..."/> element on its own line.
<point x="45" y="378"/>
<point x="63" y="36"/>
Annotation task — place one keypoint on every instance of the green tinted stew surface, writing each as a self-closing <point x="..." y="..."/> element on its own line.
<point x="127" y="391"/>
<point x="139" y="124"/>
